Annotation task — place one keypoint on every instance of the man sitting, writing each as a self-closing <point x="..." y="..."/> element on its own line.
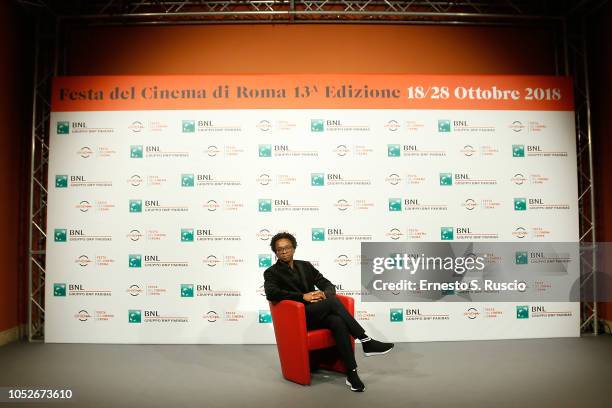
<point x="292" y="279"/>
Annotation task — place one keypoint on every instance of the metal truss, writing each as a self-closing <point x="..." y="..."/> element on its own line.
<point x="318" y="11"/>
<point x="566" y="18"/>
<point x="45" y="57"/>
<point x="577" y="64"/>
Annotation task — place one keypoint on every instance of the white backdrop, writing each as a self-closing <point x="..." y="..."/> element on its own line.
<point x="159" y="220"/>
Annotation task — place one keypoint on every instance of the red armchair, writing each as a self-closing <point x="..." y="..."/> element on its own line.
<point x="301" y="350"/>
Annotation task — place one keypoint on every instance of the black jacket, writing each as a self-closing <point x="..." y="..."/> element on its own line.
<point x="283" y="283"/>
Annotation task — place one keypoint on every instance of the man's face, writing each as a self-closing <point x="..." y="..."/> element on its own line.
<point x="284" y="250"/>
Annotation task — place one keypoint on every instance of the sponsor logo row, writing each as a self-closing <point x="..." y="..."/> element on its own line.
<point x="316" y="125"/>
<point x="153" y="260"/>
<point x="395" y="315"/>
<point x="187" y="180"/>
<point x="266" y="205"/>
<point x="267" y="151"/>
<point x="320" y="234"/>
<point x="398" y="315"/>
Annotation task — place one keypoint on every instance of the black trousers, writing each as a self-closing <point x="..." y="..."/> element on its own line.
<point x="331" y="314"/>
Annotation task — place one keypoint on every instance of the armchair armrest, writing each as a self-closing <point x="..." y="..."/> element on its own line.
<point x="288" y="316"/>
<point x="289" y="320"/>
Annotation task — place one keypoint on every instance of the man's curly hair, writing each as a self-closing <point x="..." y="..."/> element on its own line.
<point x="282" y="235"/>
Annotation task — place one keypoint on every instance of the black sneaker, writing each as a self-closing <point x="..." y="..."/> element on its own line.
<point x="353" y="381"/>
<point x="373" y="347"/>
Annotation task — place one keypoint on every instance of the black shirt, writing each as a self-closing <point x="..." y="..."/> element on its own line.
<point x="284" y="283"/>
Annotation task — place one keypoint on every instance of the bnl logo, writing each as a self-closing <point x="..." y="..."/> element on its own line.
<point x="393" y="150"/>
<point x="446" y="179"/>
<point x="265" y="205"/>
<point x="520" y="204"/>
<point x="186" y="234"/>
<point x="135" y="206"/>
<point x="134" y="316"/>
<point x="518" y="150"/>
<point x="395" y="204"/>
<point x="59" y="289"/>
<point x="317" y="125"/>
<point x="446" y="233"/>
<point x="317" y="179"/>
<point x="186" y="290"/>
<point x="396" y="315"/>
<point x="265" y="260"/>
<point x="188" y="126"/>
<point x="265" y="316"/>
<point x="522" y="312"/>
<point x="60" y="235"/>
<point x="61" y="181"/>
<point x="63" y="128"/>
<point x="521" y="258"/>
<point x="265" y="150"/>
<point x="136" y="152"/>
<point x="187" y="180"/>
<point x="318" y="234"/>
<point x="135" y="261"/>
<point x="444" y="125"/>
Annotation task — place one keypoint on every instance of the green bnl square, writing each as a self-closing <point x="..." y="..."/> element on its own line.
<point x="520" y="204"/>
<point x="522" y="312"/>
<point x="446" y="233"/>
<point x="186" y="234"/>
<point x="265" y="205"/>
<point x="396" y="315"/>
<point x="61" y="181"/>
<point x="63" y="128"/>
<point x="134" y="316"/>
<point x="521" y="258"/>
<point x="60" y="235"/>
<point x="188" y="126"/>
<point x="136" y="152"/>
<point x="134" y="261"/>
<point x="316" y="125"/>
<point x="395" y="204"/>
<point x="518" y="150"/>
<point x="317" y="179"/>
<point x="393" y="150"/>
<point x="265" y="150"/>
<point x="318" y="234"/>
<point x="446" y="179"/>
<point x="59" y="289"/>
<point x="186" y="290"/>
<point x="444" y="125"/>
<point x="265" y="316"/>
<point x="265" y="260"/>
<point x="187" y="180"/>
<point x="135" y="206"/>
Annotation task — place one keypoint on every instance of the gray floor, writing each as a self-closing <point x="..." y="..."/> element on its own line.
<point x="502" y="373"/>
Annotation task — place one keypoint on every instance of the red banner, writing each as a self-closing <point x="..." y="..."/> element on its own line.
<point x="312" y="91"/>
